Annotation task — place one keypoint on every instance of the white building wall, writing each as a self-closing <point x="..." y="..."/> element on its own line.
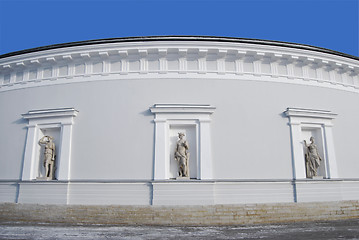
<point x="113" y="135"/>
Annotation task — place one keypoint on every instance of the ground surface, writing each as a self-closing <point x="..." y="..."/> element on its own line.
<point x="343" y="229"/>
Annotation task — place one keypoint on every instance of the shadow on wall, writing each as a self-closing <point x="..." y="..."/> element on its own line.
<point x="23" y="122"/>
<point x="146" y="113"/>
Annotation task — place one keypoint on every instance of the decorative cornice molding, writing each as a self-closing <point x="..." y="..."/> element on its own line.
<point x="182" y="108"/>
<point x="181" y="38"/>
<point x="48" y="113"/>
<point x="179" y="57"/>
<point x="309" y="113"/>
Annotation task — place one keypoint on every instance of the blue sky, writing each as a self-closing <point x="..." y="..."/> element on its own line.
<point x="331" y="24"/>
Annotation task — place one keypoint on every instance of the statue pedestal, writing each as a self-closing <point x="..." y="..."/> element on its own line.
<point x="182" y="178"/>
<point x="44" y="179"/>
<point x="317" y="177"/>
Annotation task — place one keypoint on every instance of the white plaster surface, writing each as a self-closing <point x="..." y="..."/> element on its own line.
<point x="240" y="148"/>
<point x="113" y="137"/>
<point x="175" y="192"/>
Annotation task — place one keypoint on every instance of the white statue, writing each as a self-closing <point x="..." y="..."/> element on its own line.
<point x="312" y="159"/>
<point x="182" y="156"/>
<point x="49" y="156"/>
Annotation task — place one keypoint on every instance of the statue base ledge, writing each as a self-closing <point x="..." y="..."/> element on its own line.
<point x="183" y="178"/>
<point x="44" y="179"/>
<point x="317" y="177"/>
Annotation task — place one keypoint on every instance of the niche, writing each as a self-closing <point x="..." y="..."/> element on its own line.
<point x="55" y="133"/>
<point x="56" y="123"/>
<point x="194" y="121"/>
<point x="316" y="133"/>
<point x="191" y="137"/>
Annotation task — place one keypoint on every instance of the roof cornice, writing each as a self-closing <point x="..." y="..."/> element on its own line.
<point x="182" y="38"/>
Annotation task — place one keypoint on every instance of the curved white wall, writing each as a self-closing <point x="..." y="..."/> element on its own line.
<point x="113" y="86"/>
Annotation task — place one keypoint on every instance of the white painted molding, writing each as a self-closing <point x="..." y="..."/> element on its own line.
<point x="197" y="115"/>
<point x="225" y="59"/>
<point x="51" y="113"/>
<point x="60" y="118"/>
<point x="183" y="108"/>
<point x="309" y="113"/>
<point x="321" y="120"/>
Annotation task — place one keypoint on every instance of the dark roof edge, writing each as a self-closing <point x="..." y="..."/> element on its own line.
<point x="182" y="38"/>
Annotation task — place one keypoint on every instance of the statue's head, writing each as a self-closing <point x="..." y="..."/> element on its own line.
<point x="49" y="138"/>
<point x="180" y="135"/>
<point x="312" y="139"/>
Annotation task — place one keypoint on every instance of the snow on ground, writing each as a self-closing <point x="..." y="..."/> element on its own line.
<point x="344" y="229"/>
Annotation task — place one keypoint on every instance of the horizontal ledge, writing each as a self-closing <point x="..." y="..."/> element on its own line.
<point x="228" y="40"/>
<point x="311" y="113"/>
<point x="182" y="108"/>
<point x="58" y="112"/>
<point x="128" y="181"/>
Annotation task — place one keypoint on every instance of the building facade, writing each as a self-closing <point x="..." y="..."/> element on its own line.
<point x="114" y="108"/>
